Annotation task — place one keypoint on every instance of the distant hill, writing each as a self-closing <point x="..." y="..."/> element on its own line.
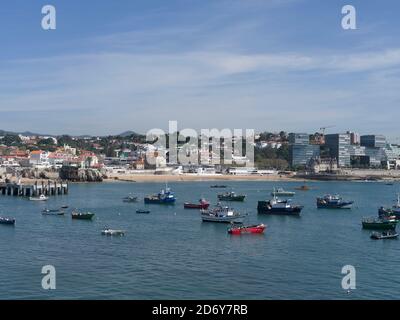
<point x="29" y="133"/>
<point x="128" y="133"/>
<point x="25" y="133"/>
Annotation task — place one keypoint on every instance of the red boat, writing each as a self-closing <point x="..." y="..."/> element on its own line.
<point x="247" y="229"/>
<point x="203" y="204"/>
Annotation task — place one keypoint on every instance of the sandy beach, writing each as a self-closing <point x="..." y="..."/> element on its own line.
<point x="186" y="177"/>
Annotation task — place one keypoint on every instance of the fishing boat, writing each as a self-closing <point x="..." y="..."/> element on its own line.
<point x="218" y="186"/>
<point x="143" y="211"/>
<point x="112" y="232"/>
<point x="221" y="214"/>
<point x="53" y="212"/>
<point x="280" y="192"/>
<point x="165" y="196"/>
<point x="379" y="223"/>
<point x="394" y="210"/>
<point x="42" y="197"/>
<point x="130" y="199"/>
<point x="257" y="229"/>
<point x="7" y="221"/>
<point x="333" y="202"/>
<point x="388" y="213"/>
<point x="203" y="204"/>
<point x="396" y="206"/>
<point x="278" y="206"/>
<point x="82" y="215"/>
<point x="231" y="196"/>
<point x="384" y="235"/>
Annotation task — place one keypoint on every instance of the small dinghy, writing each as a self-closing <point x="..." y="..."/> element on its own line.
<point x="143" y="211"/>
<point x="303" y="188"/>
<point x="112" y="232"/>
<point x="8" y="221"/>
<point x="257" y="229"/>
<point x="42" y="197"/>
<point x="384" y="235"/>
<point x="53" y="212"/>
<point x="64" y="207"/>
<point x="130" y="199"/>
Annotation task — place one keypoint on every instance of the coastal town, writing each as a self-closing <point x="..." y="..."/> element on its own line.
<point x="122" y="157"/>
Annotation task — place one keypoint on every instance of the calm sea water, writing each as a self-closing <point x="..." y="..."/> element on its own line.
<point x="171" y="254"/>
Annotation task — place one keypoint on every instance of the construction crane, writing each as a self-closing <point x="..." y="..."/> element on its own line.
<point x="322" y="129"/>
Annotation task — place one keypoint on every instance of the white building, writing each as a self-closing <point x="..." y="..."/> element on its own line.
<point x="39" y="158"/>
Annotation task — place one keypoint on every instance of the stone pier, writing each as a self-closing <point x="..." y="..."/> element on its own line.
<point x="47" y="188"/>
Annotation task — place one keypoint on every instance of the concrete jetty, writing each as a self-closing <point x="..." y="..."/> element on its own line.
<point x="47" y="188"/>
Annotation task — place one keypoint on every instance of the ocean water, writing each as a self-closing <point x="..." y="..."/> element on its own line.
<point x="171" y="254"/>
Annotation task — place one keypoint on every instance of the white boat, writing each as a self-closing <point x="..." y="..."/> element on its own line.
<point x="42" y="197"/>
<point x="221" y="214"/>
<point x="112" y="232"/>
<point x="281" y="192"/>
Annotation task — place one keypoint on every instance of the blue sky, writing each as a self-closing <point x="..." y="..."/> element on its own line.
<point x="112" y="66"/>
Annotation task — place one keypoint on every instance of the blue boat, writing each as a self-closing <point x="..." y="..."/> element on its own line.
<point x="8" y="221"/>
<point x="165" y="196"/>
<point x="333" y="202"/>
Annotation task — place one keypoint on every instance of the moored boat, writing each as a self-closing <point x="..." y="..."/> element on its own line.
<point x="130" y="199"/>
<point x="386" y="213"/>
<point x="257" y="229"/>
<point x="279" y="207"/>
<point x="142" y="211"/>
<point x="391" y="234"/>
<point x="303" y="188"/>
<point x="231" y="196"/>
<point x="42" y="197"/>
<point x="53" y="212"/>
<point x="203" y="204"/>
<point x="379" y="224"/>
<point x="165" y="196"/>
<point x="218" y="186"/>
<point x="82" y="215"/>
<point x="333" y="202"/>
<point x="283" y="193"/>
<point x="7" y="221"/>
<point x="393" y="211"/>
<point x="221" y="214"/>
<point x="112" y="232"/>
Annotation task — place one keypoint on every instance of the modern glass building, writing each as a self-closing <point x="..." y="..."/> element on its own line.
<point x="373" y="150"/>
<point x="373" y="141"/>
<point x="339" y="145"/>
<point x="300" y="149"/>
<point x="299" y="138"/>
<point x="371" y="153"/>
